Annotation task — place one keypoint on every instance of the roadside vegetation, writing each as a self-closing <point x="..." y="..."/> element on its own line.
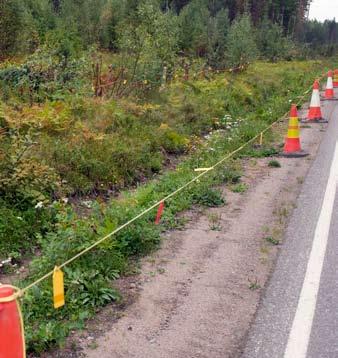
<point x="53" y="215"/>
<point x="102" y="118"/>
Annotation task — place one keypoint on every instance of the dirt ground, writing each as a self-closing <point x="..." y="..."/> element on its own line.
<point x="198" y="294"/>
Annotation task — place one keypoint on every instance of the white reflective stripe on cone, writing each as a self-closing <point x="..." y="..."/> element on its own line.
<point x="315" y="100"/>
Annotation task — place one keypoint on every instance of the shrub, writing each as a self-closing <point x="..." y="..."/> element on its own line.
<point x="23" y="179"/>
<point x="47" y="74"/>
<point x="20" y="229"/>
<point x="173" y="142"/>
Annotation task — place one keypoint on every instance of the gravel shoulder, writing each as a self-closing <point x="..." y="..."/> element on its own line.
<point x="198" y="294"/>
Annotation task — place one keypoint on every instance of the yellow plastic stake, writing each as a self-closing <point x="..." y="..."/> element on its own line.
<point x="203" y="169"/>
<point x="58" y="288"/>
<point x="261" y="139"/>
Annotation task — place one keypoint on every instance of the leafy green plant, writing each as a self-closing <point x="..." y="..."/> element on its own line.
<point x="274" y="164"/>
<point x="254" y="285"/>
<point x="271" y="240"/>
<point x="89" y="288"/>
<point x="208" y="197"/>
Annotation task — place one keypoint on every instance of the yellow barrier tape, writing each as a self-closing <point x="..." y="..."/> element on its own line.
<point x="196" y="178"/>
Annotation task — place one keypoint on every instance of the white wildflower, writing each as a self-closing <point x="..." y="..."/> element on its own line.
<point x="39" y="205"/>
<point x="87" y="203"/>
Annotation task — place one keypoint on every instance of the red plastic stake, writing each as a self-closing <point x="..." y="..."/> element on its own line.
<point x="159" y="213"/>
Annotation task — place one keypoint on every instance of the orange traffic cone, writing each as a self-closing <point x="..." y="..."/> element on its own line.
<point x="329" y="93"/>
<point x="12" y="341"/>
<point x="315" y="112"/>
<point x="292" y="146"/>
<point x="335" y="78"/>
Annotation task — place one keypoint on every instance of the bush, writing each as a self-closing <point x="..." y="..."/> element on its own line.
<point x="23" y="179"/>
<point x="173" y="142"/>
<point x="47" y="74"/>
<point x="20" y="229"/>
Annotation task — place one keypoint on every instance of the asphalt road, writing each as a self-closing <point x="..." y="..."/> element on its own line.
<point x="298" y="315"/>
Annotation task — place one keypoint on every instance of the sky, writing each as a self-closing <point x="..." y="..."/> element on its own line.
<point x="324" y="9"/>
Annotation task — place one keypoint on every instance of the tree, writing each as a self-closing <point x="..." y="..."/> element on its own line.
<point x="193" y="24"/>
<point x="112" y="14"/>
<point x="10" y="26"/>
<point x="272" y="43"/>
<point x="148" y="42"/>
<point x="218" y="28"/>
<point x="241" y="46"/>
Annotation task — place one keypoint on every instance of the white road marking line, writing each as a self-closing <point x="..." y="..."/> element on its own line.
<point x="301" y="328"/>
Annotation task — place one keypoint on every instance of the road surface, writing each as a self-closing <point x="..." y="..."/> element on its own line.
<point x="298" y="315"/>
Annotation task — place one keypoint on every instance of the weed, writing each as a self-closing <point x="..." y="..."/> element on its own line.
<point x="274" y="164"/>
<point x="214" y="220"/>
<point x="93" y="345"/>
<point x="209" y="197"/>
<point x="253" y="162"/>
<point x="265" y="250"/>
<point x="265" y="229"/>
<point x="271" y="240"/>
<point x="239" y="188"/>
<point x="257" y="152"/>
<point x="254" y="285"/>
<point x="283" y="212"/>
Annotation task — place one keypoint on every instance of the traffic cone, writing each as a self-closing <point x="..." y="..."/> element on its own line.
<point x="12" y="341"/>
<point x="292" y="148"/>
<point x="315" y="112"/>
<point x="335" y="78"/>
<point x="329" y="93"/>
